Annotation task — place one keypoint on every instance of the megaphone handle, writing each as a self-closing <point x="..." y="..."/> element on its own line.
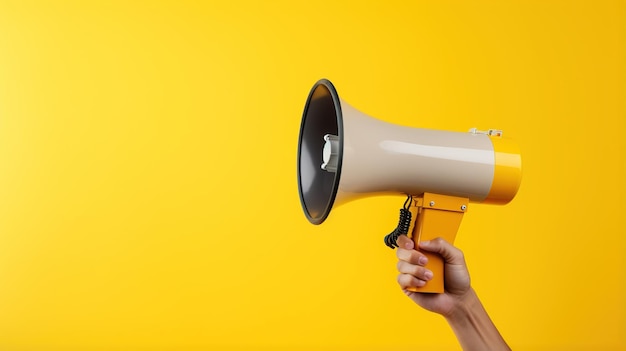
<point x="437" y="216"/>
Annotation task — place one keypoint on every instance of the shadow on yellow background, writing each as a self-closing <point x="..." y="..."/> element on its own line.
<point x="148" y="195"/>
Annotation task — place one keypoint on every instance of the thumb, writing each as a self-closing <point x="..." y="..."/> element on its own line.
<point x="405" y="243"/>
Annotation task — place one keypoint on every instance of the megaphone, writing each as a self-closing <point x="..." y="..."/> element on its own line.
<point x="345" y="155"/>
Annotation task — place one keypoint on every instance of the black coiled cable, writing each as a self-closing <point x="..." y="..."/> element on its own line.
<point x="403" y="224"/>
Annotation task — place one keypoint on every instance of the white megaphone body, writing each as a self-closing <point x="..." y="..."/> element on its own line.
<point x="344" y="155"/>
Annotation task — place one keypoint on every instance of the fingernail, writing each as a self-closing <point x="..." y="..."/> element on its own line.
<point x="422" y="260"/>
<point x="425" y="243"/>
<point x="408" y="245"/>
<point x="428" y="275"/>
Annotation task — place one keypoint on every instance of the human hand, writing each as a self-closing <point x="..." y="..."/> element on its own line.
<point x="459" y="304"/>
<point x="414" y="274"/>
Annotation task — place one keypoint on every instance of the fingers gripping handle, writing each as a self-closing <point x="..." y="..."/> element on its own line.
<point x="436" y="216"/>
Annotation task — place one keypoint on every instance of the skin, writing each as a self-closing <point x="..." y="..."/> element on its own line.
<point x="459" y="304"/>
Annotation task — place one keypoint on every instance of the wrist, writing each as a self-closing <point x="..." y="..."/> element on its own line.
<point x="463" y="307"/>
<point x="472" y="325"/>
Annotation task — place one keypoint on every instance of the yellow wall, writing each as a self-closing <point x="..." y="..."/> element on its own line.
<point x="148" y="195"/>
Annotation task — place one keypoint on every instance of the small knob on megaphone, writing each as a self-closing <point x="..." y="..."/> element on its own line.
<point x="330" y="153"/>
<point x="490" y="132"/>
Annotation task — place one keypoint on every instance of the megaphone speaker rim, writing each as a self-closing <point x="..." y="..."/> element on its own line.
<point x="319" y="214"/>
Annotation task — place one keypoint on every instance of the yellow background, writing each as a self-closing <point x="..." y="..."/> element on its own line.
<point x="148" y="196"/>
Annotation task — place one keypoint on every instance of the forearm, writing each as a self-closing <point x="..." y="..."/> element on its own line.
<point x="473" y="327"/>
